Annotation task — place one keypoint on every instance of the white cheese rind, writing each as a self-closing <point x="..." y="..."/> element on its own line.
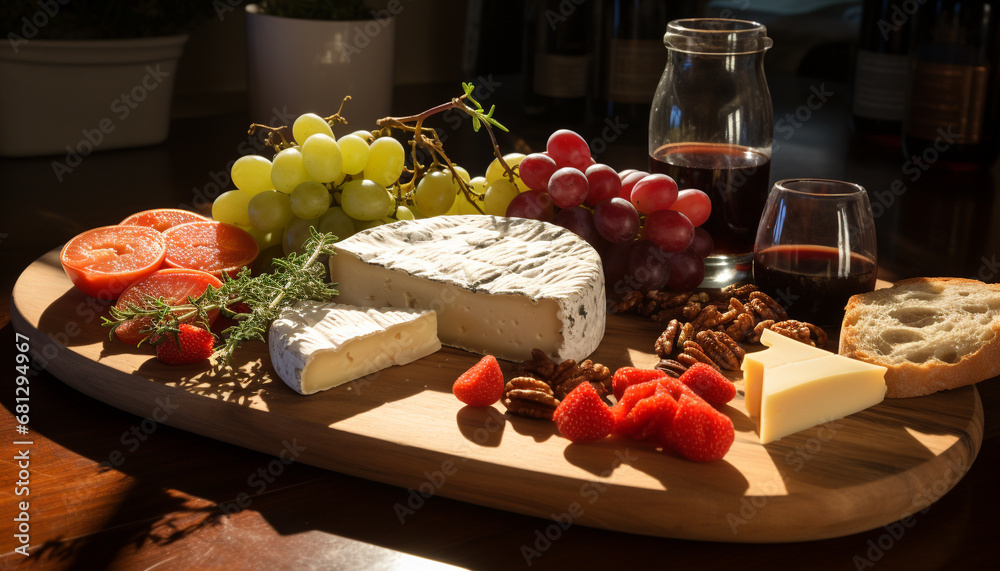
<point x="317" y="346"/>
<point x="499" y="285"/>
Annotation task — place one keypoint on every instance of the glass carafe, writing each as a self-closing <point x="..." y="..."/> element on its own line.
<point x="711" y="128"/>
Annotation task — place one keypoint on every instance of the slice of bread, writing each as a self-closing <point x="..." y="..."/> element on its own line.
<point x="931" y="333"/>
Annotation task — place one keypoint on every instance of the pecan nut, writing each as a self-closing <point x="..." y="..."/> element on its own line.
<point x="664" y="345"/>
<point x="671" y="367"/>
<point x="529" y="397"/>
<point x="714" y="346"/>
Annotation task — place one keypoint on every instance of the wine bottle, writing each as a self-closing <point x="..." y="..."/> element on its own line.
<point x="952" y="115"/>
<point x="558" y="59"/>
<point x="881" y="69"/>
<point x="632" y="56"/>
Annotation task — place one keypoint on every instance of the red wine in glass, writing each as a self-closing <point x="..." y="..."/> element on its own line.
<point x="733" y="176"/>
<point x="813" y="283"/>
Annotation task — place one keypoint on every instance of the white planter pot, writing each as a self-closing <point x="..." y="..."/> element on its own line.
<point x="80" y="96"/>
<point x="299" y="66"/>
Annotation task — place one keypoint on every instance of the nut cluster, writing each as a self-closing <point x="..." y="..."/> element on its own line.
<point x="708" y="327"/>
<point x="541" y="383"/>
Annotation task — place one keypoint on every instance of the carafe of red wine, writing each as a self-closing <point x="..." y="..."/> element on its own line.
<point x="711" y="127"/>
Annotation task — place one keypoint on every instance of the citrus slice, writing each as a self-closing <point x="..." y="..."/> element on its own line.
<point x="213" y="247"/>
<point x="102" y="262"/>
<point x="162" y="218"/>
<point x="174" y="285"/>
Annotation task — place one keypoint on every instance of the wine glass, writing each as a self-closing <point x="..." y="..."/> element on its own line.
<point x="815" y="248"/>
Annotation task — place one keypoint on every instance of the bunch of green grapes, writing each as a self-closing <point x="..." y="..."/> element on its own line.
<point x="347" y="185"/>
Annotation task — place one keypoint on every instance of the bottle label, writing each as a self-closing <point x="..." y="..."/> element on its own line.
<point x="947" y="96"/>
<point x="634" y="69"/>
<point x="560" y="75"/>
<point x="880" y="85"/>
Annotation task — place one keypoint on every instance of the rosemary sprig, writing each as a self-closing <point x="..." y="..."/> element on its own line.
<point x="295" y="277"/>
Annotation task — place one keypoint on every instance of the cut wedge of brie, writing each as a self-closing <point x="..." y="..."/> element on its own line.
<point x="317" y="346"/>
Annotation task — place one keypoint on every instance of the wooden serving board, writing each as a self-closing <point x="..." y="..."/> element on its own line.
<point x="403" y="427"/>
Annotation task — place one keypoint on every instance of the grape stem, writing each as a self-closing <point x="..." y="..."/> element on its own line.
<point x="480" y="117"/>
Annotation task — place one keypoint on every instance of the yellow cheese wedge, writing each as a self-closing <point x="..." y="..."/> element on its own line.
<point x="806" y="393"/>
<point x="782" y="350"/>
<point x="791" y="386"/>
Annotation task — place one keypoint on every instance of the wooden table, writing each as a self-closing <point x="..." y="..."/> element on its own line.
<point x="112" y="490"/>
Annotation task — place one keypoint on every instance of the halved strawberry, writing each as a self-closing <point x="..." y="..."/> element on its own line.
<point x="699" y="432"/>
<point x="582" y="416"/>
<point x="709" y="384"/>
<point x="481" y="385"/>
<point x="628" y="376"/>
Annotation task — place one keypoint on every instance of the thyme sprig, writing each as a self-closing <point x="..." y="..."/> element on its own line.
<point x="295" y="277"/>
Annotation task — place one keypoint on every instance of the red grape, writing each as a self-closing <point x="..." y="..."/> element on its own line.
<point x="568" y="149"/>
<point x="534" y="204"/>
<point x="535" y="170"/>
<point x="687" y="270"/>
<point x="702" y="243"/>
<point x="648" y="267"/>
<point x="654" y="192"/>
<point x="629" y="181"/>
<point x="615" y="262"/>
<point x="580" y="221"/>
<point x="616" y="219"/>
<point x="568" y="187"/>
<point x="694" y="204"/>
<point x="604" y="183"/>
<point x="669" y="230"/>
<point x="625" y="173"/>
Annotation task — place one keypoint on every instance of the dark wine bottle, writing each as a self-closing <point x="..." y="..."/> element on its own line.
<point x="881" y="68"/>
<point x="558" y="59"/>
<point x="952" y="115"/>
<point x="632" y="56"/>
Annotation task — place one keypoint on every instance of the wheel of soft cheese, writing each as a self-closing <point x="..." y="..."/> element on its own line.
<point x="500" y="286"/>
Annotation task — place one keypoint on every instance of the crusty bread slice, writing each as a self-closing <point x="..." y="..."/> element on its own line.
<point x="931" y="333"/>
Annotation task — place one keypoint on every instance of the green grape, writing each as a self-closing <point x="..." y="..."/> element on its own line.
<point x="365" y="200"/>
<point x="495" y="171"/>
<point x="265" y="240"/>
<point x="354" y="153"/>
<point x="385" y="161"/>
<point x="309" y="124"/>
<point x="296" y="234"/>
<point x="462" y="173"/>
<point x="270" y="211"/>
<point x="360" y="225"/>
<point x="252" y="174"/>
<point x="321" y="158"/>
<point x="365" y="135"/>
<point x="498" y="196"/>
<point x="231" y="207"/>
<point x="435" y="193"/>
<point x="479" y="185"/>
<point x="337" y="222"/>
<point x="404" y="213"/>
<point x="288" y="171"/>
<point x="310" y="199"/>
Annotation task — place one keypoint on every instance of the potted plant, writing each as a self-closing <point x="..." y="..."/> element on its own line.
<point x="306" y="55"/>
<point x="89" y="75"/>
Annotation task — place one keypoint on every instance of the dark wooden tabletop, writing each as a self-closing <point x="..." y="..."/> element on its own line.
<point x="108" y="489"/>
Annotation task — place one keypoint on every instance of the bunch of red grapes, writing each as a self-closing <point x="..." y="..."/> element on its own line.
<point x="647" y="231"/>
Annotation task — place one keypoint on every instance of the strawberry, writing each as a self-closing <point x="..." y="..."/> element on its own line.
<point x="629" y="416"/>
<point x="628" y="376"/>
<point x="481" y="385"/>
<point x="699" y="432"/>
<point x="582" y="416"/>
<point x="709" y="384"/>
<point x="190" y="345"/>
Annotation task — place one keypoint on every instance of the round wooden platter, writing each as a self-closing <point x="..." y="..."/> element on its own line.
<point x="402" y="426"/>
